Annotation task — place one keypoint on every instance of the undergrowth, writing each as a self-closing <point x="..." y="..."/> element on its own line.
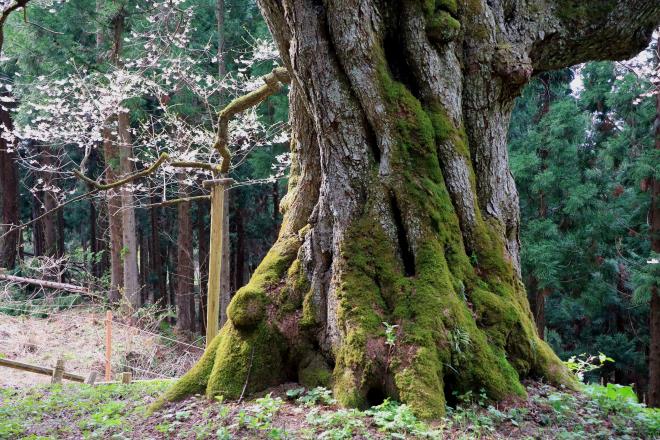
<point x="289" y="412"/>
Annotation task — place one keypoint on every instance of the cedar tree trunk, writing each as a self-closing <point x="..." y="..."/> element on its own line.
<point x="401" y="206"/>
<point x="9" y="208"/>
<point x="128" y="223"/>
<point x="185" y="268"/>
<point x="111" y="158"/>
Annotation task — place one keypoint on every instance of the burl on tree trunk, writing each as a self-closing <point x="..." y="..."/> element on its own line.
<point x="401" y="207"/>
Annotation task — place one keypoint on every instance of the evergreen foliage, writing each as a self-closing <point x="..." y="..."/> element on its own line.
<point x="581" y="159"/>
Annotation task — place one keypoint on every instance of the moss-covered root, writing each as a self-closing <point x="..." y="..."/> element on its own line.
<point x="194" y="381"/>
<point x="249" y="359"/>
<point x="550" y="367"/>
<point x="248" y="351"/>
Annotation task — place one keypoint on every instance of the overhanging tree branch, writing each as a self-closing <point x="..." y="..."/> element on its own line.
<point x="4" y="14"/>
<point x="104" y="187"/>
<point x="273" y="84"/>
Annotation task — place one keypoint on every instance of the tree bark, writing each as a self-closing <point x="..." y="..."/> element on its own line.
<point x="401" y="206"/>
<point x="38" y="245"/>
<point x="185" y="270"/>
<point x="537" y="295"/>
<point x="113" y="199"/>
<point x="49" y="203"/>
<point x="131" y="286"/>
<point x="111" y="156"/>
<point x="129" y="250"/>
<point x="9" y="208"/>
<point x="203" y="255"/>
<point x="158" y="293"/>
<point x="239" y="266"/>
<point x="225" y="274"/>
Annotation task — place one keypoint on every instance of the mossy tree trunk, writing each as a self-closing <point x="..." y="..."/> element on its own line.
<point x="401" y="207"/>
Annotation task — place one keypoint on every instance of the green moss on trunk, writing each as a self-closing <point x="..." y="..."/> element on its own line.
<point x="250" y="359"/>
<point x="463" y="321"/>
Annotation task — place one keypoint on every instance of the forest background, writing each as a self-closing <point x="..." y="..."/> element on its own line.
<point x="581" y="147"/>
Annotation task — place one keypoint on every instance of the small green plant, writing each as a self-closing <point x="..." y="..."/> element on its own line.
<point x="398" y="420"/>
<point x="316" y="395"/>
<point x="223" y="433"/>
<point x="342" y="424"/>
<point x="470" y="398"/>
<point x="583" y="363"/>
<point x="295" y="393"/>
<point x="390" y="334"/>
<point x="260" y="416"/>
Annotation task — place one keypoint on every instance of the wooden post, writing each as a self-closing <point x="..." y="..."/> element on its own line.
<point x="91" y="378"/>
<point x="215" y="256"/>
<point x="126" y="377"/>
<point x="58" y="372"/>
<point x="108" y="345"/>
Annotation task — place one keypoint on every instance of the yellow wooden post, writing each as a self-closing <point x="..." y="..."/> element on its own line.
<point x="58" y="372"/>
<point x="108" y="345"/>
<point x="215" y="256"/>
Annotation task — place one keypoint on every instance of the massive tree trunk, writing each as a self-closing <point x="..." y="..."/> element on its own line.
<point x="401" y="207"/>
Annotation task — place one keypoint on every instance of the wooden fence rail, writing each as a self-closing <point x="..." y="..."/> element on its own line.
<point x="39" y="370"/>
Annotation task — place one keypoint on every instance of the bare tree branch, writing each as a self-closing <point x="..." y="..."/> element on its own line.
<point x="273" y="83"/>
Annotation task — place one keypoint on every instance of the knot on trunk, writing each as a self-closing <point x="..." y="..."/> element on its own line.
<point x="248" y="308"/>
<point x="514" y="66"/>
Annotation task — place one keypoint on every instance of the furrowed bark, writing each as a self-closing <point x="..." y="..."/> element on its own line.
<point x="401" y="206"/>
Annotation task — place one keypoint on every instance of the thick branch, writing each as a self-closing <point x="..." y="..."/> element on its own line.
<point x="575" y="31"/>
<point x="151" y="169"/>
<point x="104" y="187"/>
<point x="273" y="84"/>
<point x="5" y="14"/>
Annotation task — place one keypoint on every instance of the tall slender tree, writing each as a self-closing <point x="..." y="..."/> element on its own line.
<point x="8" y="191"/>
<point x="654" y="235"/>
<point x="8" y="173"/>
<point x="185" y="270"/>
